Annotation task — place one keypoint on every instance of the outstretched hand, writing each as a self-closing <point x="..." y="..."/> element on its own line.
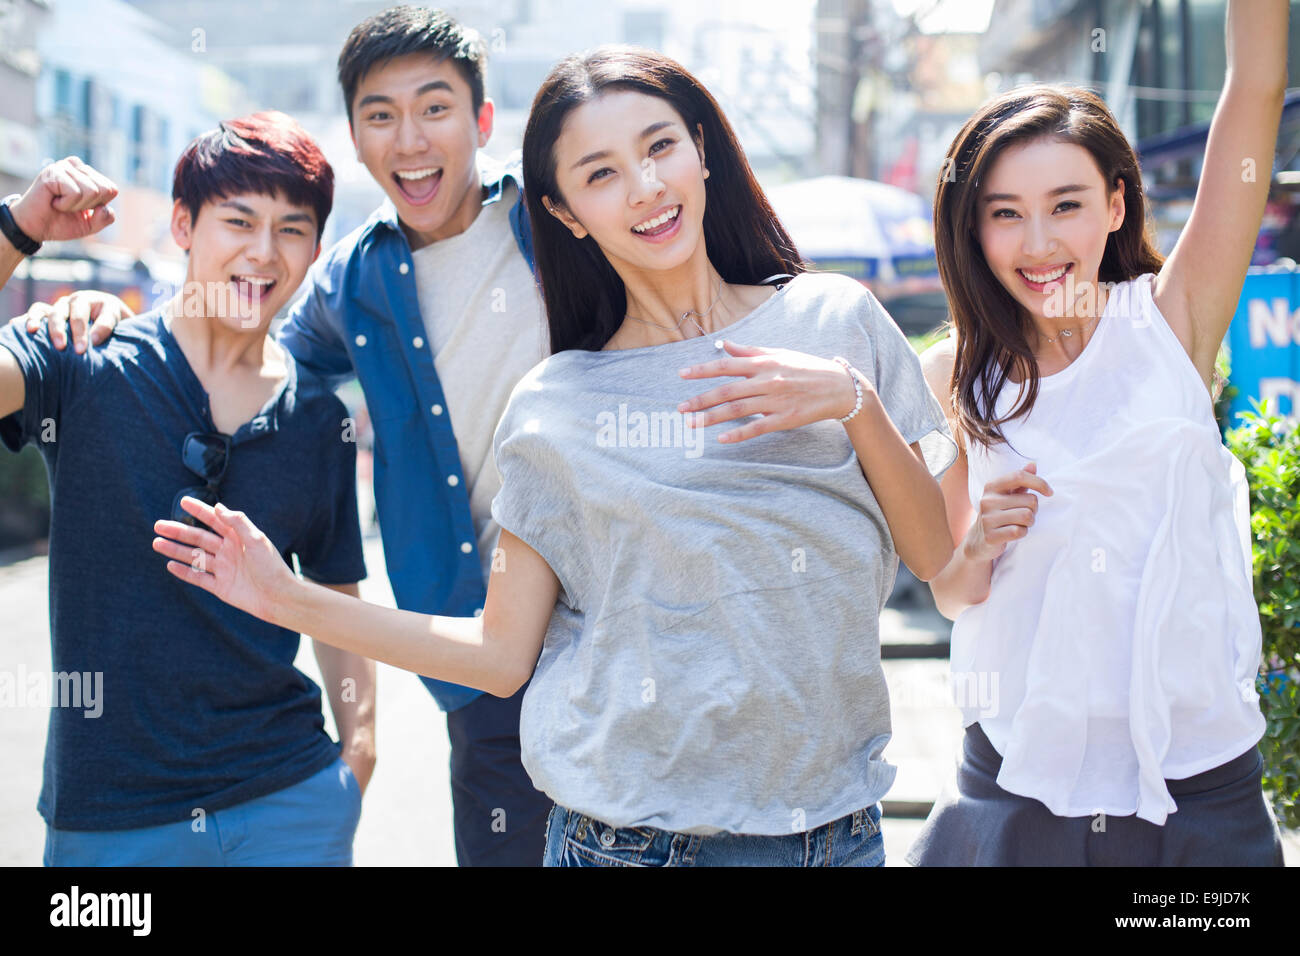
<point x="237" y="563"/>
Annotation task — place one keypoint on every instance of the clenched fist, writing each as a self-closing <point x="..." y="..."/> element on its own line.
<point x="67" y="200"/>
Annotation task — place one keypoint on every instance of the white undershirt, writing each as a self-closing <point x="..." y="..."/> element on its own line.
<point x="485" y="322"/>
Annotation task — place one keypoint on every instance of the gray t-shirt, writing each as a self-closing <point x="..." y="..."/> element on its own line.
<point x="713" y="663"/>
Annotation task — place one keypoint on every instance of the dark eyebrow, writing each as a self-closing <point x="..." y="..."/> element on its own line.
<point x="434" y="85"/>
<point x="426" y="88"/>
<point x="1012" y="197"/>
<point x="648" y="131"/>
<point x="249" y="211"/>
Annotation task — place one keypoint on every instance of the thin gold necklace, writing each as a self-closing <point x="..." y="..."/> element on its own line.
<point x="1067" y="333"/>
<point x="685" y="316"/>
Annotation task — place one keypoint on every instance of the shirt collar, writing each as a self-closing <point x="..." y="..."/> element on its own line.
<point x="268" y="417"/>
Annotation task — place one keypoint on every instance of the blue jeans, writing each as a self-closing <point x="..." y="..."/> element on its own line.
<point x="308" y="824"/>
<point x="576" y="840"/>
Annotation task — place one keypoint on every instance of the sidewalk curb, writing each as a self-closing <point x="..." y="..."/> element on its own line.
<point x="21" y="552"/>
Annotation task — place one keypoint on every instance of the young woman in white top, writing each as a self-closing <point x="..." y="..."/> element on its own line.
<point x="1106" y="639"/>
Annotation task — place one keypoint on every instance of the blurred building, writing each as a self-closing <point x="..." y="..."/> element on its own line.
<point x="752" y="55"/>
<point x="99" y="80"/>
<point x="942" y="85"/>
<point x="283" y="54"/>
<point x="1159" y="64"/>
<point x="895" y="80"/>
<point x="125" y="94"/>
<point x="1112" y="46"/>
<point x="20" y="64"/>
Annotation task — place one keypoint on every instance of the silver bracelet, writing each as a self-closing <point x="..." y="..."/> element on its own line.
<point x="856" y="385"/>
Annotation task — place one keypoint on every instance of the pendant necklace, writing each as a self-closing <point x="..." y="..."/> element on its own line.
<point x="1067" y="333"/>
<point x="685" y="315"/>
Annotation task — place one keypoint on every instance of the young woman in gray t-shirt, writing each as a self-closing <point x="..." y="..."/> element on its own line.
<point x="691" y="573"/>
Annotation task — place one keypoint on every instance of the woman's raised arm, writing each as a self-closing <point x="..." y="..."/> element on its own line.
<point x="1198" y="288"/>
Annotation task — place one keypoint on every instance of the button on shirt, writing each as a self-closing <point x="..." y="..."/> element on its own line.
<point x="479" y="302"/>
<point x="361" y="317"/>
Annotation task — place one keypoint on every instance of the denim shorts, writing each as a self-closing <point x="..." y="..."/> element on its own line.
<point x="310" y="823"/>
<point x="573" y="839"/>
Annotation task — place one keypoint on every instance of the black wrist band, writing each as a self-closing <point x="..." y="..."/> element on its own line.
<point x="21" y="241"/>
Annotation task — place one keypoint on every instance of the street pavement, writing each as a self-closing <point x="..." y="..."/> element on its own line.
<point x="407" y="815"/>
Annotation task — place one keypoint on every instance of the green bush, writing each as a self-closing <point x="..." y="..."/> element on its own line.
<point x="1269" y="448"/>
<point x="1225" y="391"/>
<point x="24" y="498"/>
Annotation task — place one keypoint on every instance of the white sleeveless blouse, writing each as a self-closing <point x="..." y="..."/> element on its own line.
<point x="1120" y="640"/>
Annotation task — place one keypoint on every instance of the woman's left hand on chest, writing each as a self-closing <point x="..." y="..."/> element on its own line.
<point x="786" y="388"/>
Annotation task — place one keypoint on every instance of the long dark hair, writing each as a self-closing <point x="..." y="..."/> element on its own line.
<point x="585" y="298"/>
<point x="992" y="327"/>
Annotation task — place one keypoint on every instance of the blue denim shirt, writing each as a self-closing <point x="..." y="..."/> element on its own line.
<point x="361" y="317"/>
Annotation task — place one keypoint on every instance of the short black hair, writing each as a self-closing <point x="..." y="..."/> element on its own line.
<point x="399" y="31"/>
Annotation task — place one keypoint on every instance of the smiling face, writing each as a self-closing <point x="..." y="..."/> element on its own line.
<point x="630" y="176"/>
<point x="415" y="130"/>
<point x="1044" y="215"/>
<point x="248" y="255"/>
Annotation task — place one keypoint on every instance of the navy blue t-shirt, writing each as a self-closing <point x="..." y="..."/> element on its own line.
<point x="201" y="704"/>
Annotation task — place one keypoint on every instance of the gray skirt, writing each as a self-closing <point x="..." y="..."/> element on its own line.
<point x="1222" y="820"/>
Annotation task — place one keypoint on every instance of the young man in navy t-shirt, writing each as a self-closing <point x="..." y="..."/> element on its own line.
<point x="432" y="307"/>
<point x="208" y="746"/>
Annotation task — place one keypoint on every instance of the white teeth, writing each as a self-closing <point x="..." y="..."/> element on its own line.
<point x="255" y="280"/>
<point x="417" y="173"/>
<point x="658" y="220"/>
<point x="1046" y="276"/>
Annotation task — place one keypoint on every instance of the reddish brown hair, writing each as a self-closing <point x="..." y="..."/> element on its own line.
<point x="265" y="153"/>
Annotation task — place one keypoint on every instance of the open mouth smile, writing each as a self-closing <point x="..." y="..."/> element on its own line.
<point x="1039" y="280"/>
<point x="253" y="288"/>
<point x="418" y="186"/>
<point x="661" y="226"/>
